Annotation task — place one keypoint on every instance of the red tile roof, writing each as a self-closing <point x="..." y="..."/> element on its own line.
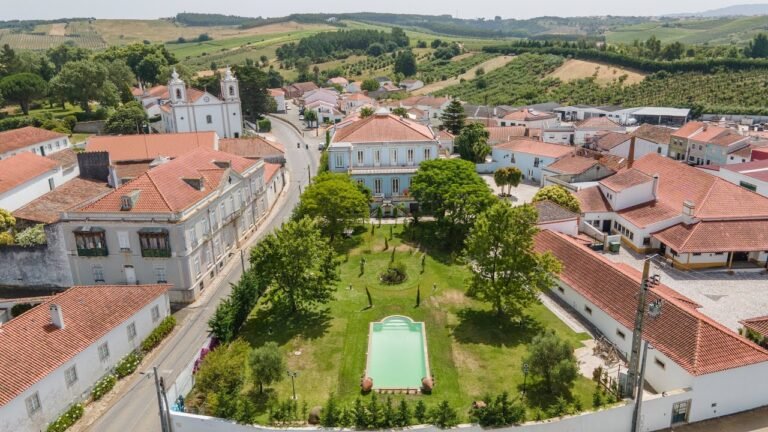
<point x="572" y="165"/>
<point x="646" y="214"/>
<point x="19" y="138"/>
<point x="502" y="134"/>
<point x="65" y="158"/>
<point x="550" y="212"/>
<point x="147" y="147"/>
<point x="539" y="148"/>
<point x="599" y="123"/>
<point x="716" y="236"/>
<point x="692" y="340"/>
<point x="276" y="92"/>
<point x="270" y="169"/>
<point x="610" y="140"/>
<point x="626" y="179"/>
<point x="163" y="188"/>
<point x="384" y="128"/>
<point x="756" y="169"/>
<point x="728" y="139"/>
<point x="655" y="134"/>
<point x="688" y="129"/>
<point x="529" y="115"/>
<point x="48" y="208"/>
<point x="759" y="324"/>
<point x="708" y="133"/>
<point x="21" y="168"/>
<point x="430" y="101"/>
<point x="591" y="200"/>
<point x="31" y="347"/>
<point x="251" y="147"/>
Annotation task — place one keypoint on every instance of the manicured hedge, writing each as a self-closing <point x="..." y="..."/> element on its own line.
<point x="159" y="333"/>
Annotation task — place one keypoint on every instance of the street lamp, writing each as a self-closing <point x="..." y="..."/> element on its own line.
<point x="525" y="376"/>
<point x="293" y="376"/>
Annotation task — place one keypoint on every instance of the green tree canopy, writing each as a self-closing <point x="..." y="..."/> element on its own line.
<point x="84" y="81"/>
<point x="405" y="63"/>
<point x="23" y="88"/>
<point x="127" y="119"/>
<point x="472" y="143"/>
<point x="267" y="365"/>
<point x="375" y="49"/>
<point x="560" y="196"/>
<point x="552" y="359"/>
<point x="454" y="117"/>
<point x="7" y="221"/>
<point x="506" y="271"/>
<point x="509" y="177"/>
<point x="369" y="85"/>
<point x="66" y="53"/>
<point x="366" y="112"/>
<point x="335" y="201"/>
<point x="254" y="96"/>
<point x="758" y="47"/>
<point x="453" y="192"/>
<point x="400" y="112"/>
<point x="310" y="117"/>
<point x="296" y="265"/>
<point x="145" y="60"/>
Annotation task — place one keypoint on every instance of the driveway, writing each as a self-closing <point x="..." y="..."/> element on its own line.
<point x="522" y="194"/>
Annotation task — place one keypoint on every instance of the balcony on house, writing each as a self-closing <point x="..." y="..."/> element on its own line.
<point x="155" y="243"/>
<point x="91" y="242"/>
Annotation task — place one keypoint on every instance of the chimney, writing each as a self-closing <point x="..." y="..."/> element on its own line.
<point x="196" y="183"/>
<point x="689" y="207"/>
<point x="631" y="158"/>
<point x="655" y="186"/>
<point x="706" y="126"/>
<point x="57" y="316"/>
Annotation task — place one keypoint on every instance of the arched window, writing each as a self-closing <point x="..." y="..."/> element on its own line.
<point x="231" y="91"/>
<point x="178" y="93"/>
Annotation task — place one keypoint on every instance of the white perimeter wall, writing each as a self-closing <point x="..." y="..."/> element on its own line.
<point x="55" y="396"/>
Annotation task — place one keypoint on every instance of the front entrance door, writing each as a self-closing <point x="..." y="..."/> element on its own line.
<point x="130" y="275"/>
<point x="606" y="226"/>
<point x="680" y="412"/>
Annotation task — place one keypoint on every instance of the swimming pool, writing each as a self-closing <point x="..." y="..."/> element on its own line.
<point x="397" y="354"/>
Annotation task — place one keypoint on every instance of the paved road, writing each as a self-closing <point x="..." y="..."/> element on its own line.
<point x="136" y="407"/>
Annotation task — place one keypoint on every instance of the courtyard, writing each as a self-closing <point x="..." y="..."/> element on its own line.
<point x="471" y="352"/>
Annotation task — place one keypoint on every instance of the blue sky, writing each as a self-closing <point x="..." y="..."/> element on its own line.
<point x="46" y="9"/>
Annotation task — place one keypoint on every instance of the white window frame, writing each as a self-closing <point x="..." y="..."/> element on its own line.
<point x="104" y="351"/>
<point x="393" y="157"/>
<point x="377" y="186"/>
<point x="124" y="241"/>
<point x="196" y="266"/>
<point x="155" y="313"/>
<point x="338" y="160"/>
<point x="97" y="271"/>
<point x="395" y="186"/>
<point x="131" y="329"/>
<point x="33" y="404"/>
<point x="360" y="157"/>
<point x="377" y="157"/>
<point x="70" y="375"/>
<point x="159" y="271"/>
<point x="409" y="155"/>
<point x="427" y="153"/>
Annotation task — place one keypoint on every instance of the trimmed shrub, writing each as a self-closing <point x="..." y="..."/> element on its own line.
<point x="265" y="125"/>
<point x="32" y="236"/>
<point x="70" y="417"/>
<point x="128" y="364"/>
<point x="103" y="386"/>
<point x="158" y="334"/>
<point x="395" y="274"/>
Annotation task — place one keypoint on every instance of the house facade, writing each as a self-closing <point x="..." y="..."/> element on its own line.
<point x="592" y="127"/>
<point x="54" y="353"/>
<point x="529" y="156"/>
<point x="529" y="118"/>
<point x="178" y="223"/>
<point x="749" y="175"/>
<point x="383" y="152"/>
<point x="278" y="95"/>
<point x="25" y="177"/>
<point x="31" y="139"/>
<point x="192" y="110"/>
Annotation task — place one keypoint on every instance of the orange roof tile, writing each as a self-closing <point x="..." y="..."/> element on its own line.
<point x="716" y="236"/>
<point x="31" y="347"/>
<point x="276" y="92"/>
<point x="251" y="147"/>
<point x="709" y="132"/>
<point x="66" y="158"/>
<point x="692" y="340"/>
<point x="502" y="134"/>
<point x="384" y="128"/>
<point x="21" y="168"/>
<point x="599" y="123"/>
<point x="591" y="200"/>
<point x="626" y="179"/>
<point x="163" y="189"/>
<point x="610" y="140"/>
<point x="572" y="165"/>
<point x="48" y="208"/>
<point x="19" y="138"/>
<point x="759" y="324"/>
<point x="529" y="115"/>
<point x="270" y="169"/>
<point x="146" y="147"/>
<point x="530" y="146"/>
<point x="688" y="129"/>
<point x="655" y="134"/>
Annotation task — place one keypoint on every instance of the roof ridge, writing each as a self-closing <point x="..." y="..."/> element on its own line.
<point x="159" y="192"/>
<point x="411" y="126"/>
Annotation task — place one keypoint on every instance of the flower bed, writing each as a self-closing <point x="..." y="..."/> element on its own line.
<point x="70" y="417"/>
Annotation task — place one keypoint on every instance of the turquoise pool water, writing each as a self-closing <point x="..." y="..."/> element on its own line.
<point x="397" y="353"/>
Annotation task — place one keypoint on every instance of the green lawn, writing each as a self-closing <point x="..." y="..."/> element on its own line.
<point x="471" y="352"/>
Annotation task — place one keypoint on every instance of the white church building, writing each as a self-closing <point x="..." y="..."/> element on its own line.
<point x="192" y="110"/>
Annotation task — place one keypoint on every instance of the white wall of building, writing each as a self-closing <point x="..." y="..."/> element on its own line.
<point x="642" y="147"/>
<point x="569" y="227"/>
<point x="43" y="148"/>
<point x="27" y="192"/>
<point x="736" y="178"/>
<point x="54" y="394"/>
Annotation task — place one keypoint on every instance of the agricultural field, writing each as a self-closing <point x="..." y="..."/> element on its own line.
<point x="737" y="30"/>
<point x="41" y="41"/>
<point x="453" y="72"/>
<point x="604" y="74"/>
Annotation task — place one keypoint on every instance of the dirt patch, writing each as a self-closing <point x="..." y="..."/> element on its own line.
<point x="453" y="298"/>
<point x="461" y="57"/>
<point x="578" y="69"/>
<point x="59" y="29"/>
<point x="465" y="360"/>
<point x="489" y="65"/>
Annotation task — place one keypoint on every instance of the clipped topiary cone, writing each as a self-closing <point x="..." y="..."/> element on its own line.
<point x="367" y="384"/>
<point x="314" y="415"/>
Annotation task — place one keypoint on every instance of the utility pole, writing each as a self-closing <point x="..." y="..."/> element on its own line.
<point x="167" y="406"/>
<point x="163" y="423"/>
<point x="309" y="173"/>
<point x="242" y="259"/>
<point x="639" y="402"/>
<point x="637" y="335"/>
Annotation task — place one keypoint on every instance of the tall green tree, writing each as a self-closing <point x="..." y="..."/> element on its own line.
<point x="370" y="85"/>
<point x="310" y="117"/>
<point x="9" y="61"/>
<point x="84" y="81"/>
<point x="296" y="265"/>
<point x="335" y="201"/>
<point x="472" y="143"/>
<point x="405" y="63"/>
<point x="23" y="88"/>
<point x="454" y="117"/>
<point x="560" y="196"/>
<point x="552" y="359"/>
<point x="509" y="177"/>
<point x="66" y="53"/>
<point x="758" y="47"/>
<point x="127" y="119"/>
<point x="254" y="96"/>
<point x="145" y="60"/>
<point x="452" y="192"/>
<point x="267" y="365"/>
<point x="506" y="271"/>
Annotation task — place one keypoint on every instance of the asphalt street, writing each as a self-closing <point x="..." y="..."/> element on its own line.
<point x="135" y="408"/>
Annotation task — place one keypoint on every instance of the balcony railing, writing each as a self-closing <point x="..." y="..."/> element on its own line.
<point x="92" y="252"/>
<point x="156" y="253"/>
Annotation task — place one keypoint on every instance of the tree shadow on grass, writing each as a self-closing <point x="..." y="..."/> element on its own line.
<point x="279" y="324"/>
<point x="426" y="237"/>
<point x="539" y="396"/>
<point x="486" y="327"/>
<point x="343" y="244"/>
